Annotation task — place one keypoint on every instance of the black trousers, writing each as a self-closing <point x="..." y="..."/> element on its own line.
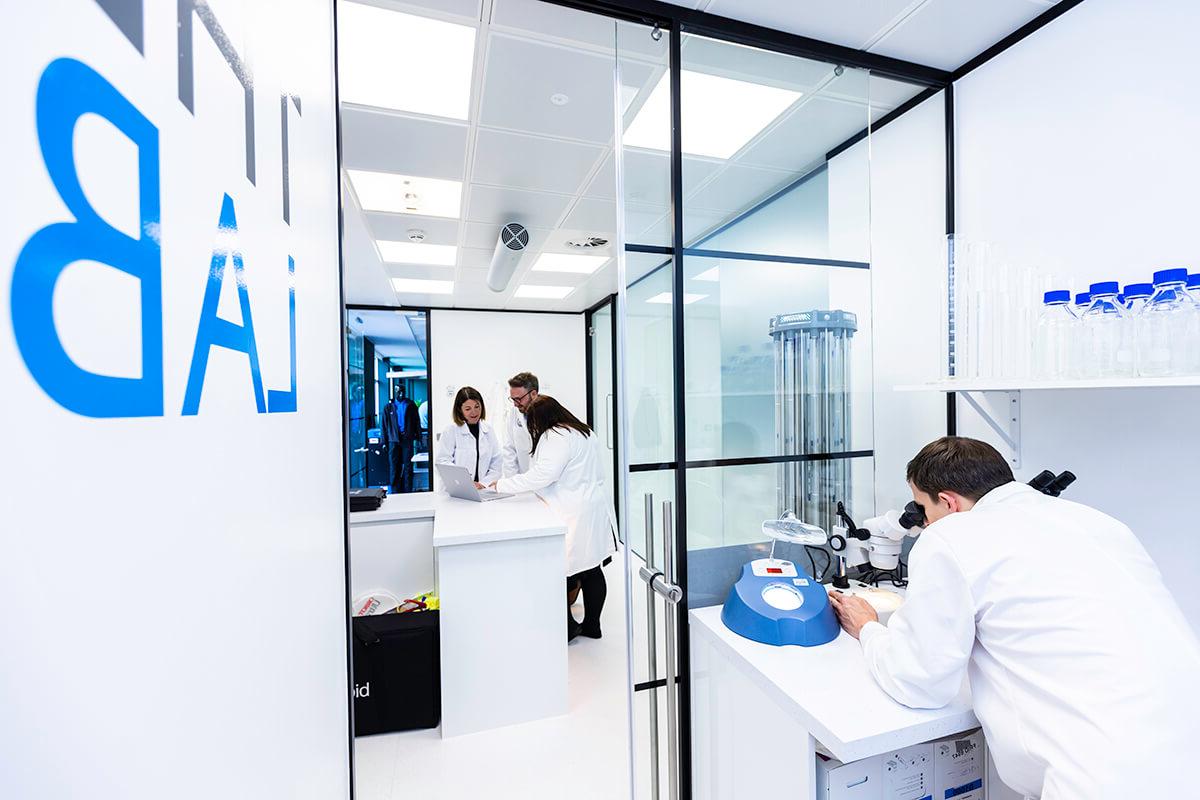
<point x="400" y="465"/>
<point x="595" y="590"/>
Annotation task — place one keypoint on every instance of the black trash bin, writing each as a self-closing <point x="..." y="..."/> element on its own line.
<point x="397" y="672"/>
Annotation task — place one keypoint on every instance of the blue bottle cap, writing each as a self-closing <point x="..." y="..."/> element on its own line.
<point x="1104" y="287"/>
<point x="1133" y="290"/>
<point x="1082" y="299"/>
<point x="1194" y="281"/>
<point x="1170" y="276"/>
<point x="1060" y="296"/>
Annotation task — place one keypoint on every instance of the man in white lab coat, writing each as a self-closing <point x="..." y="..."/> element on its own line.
<point x="1083" y="669"/>
<point x="522" y="390"/>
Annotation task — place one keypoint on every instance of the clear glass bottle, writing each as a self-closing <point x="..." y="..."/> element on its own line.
<point x="1168" y="327"/>
<point x="1104" y="333"/>
<point x="1052" y="338"/>
<point x="1136" y="296"/>
<point x="1076" y="345"/>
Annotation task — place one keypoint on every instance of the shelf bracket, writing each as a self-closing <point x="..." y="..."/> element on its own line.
<point x="1001" y="410"/>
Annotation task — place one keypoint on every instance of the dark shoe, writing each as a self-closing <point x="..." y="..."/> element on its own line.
<point x="573" y="629"/>
<point x="589" y="632"/>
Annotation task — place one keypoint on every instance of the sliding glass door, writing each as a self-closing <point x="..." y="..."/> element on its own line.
<point x="746" y="365"/>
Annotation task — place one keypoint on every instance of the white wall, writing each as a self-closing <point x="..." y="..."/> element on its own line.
<point x="365" y="276"/>
<point x="908" y="267"/>
<point x="172" y="599"/>
<point x="1077" y="148"/>
<point x="485" y="348"/>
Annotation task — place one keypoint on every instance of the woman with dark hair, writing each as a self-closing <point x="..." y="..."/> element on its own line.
<point x="470" y="440"/>
<point x="567" y="472"/>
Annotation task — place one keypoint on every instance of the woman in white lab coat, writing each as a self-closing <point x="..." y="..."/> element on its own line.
<point x="566" y="472"/>
<point x="471" y="441"/>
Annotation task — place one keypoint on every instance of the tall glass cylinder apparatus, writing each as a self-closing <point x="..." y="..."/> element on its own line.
<point x="812" y="410"/>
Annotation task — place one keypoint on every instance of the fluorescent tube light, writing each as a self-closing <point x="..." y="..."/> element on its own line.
<point x="441" y="255"/>
<point x="543" y="292"/>
<point x="406" y="194"/>
<point x="719" y="114"/>
<point x="422" y="286"/>
<point x="389" y="59"/>
<point x="568" y="262"/>
<point x="665" y="297"/>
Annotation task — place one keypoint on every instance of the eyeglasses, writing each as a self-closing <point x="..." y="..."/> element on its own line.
<point x="517" y="400"/>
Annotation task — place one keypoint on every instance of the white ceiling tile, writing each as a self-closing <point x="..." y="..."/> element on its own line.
<point x="638" y="265"/>
<point x="395" y="227"/>
<point x="472" y="279"/>
<point x="474" y="258"/>
<point x="806" y="135"/>
<point x="533" y="16"/>
<point x="596" y="216"/>
<point x="523" y="75"/>
<point x="697" y="223"/>
<point x="648" y="176"/>
<point x="530" y="162"/>
<point x="385" y="142"/>
<point x="737" y="188"/>
<point x="498" y="207"/>
<point x="948" y="33"/>
<point x="846" y="22"/>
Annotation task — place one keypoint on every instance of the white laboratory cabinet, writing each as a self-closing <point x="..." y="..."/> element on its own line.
<point x="813" y="720"/>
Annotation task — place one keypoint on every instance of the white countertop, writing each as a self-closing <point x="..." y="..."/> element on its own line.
<point x="829" y="689"/>
<point x="455" y="521"/>
<point x="522" y="516"/>
<point x="418" y="505"/>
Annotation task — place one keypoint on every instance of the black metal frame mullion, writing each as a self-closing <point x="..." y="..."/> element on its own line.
<point x="683" y="639"/>
<point x="951" y="397"/>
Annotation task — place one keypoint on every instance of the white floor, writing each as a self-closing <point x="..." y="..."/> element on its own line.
<point x="582" y="756"/>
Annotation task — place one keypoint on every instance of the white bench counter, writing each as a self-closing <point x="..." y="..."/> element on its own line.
<point x="755" y="704"/>
<point x="499" y="569"/>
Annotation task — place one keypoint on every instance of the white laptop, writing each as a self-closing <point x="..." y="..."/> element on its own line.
<point x="458" y="483"/>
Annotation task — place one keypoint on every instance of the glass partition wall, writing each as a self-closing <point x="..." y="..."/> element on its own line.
<point x="746" y="317"/>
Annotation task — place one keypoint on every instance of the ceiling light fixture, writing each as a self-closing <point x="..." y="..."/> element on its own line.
<point x="389" y="59"/>
<point x="441" y="255"/>
<point x="712" y="275"/>
<point x="568" y="262"/>
<point x="422" y="286"/>
<point x="406" y="194"/>
<point x="543" y="292"/>
<point x="720" y="115"/>
<point x="665" y="298"/>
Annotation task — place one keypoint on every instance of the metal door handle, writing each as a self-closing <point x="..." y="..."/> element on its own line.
<point x="608" y="421"/>
<point x="672" y="631"/>
<point x="651" y="648"/>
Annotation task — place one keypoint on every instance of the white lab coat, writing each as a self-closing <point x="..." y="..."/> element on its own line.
<point x="517" y="444"/>
<point x="1082" y="667"/>
<point x="457" y="445"/>
<point x="568" y="474"/>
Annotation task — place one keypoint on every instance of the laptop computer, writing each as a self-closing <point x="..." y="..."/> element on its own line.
<point x="458" y="483"/>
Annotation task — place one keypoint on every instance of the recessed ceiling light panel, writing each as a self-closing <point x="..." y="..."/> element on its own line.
<point x="406" y="194"/>
<point x="399" y="61"/>
<point x="543" y="292"/>
<point x="568" y="262"/>
<point x="442" y="255"/>
<point x="720" y="115"/>
<point x="422" y="286"/>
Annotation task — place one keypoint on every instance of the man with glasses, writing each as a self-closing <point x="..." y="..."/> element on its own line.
<point x="522" y="390"/>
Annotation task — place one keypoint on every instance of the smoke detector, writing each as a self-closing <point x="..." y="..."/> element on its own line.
<point x="415" y="235"/>
<point x="559" y="99"/>
<point x="587" y="242"/>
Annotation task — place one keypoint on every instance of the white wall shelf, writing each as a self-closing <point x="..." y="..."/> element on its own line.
<point x="1029" y="384"/>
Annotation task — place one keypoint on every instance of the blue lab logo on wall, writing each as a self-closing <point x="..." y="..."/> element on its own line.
<point x="67" y="90"/>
